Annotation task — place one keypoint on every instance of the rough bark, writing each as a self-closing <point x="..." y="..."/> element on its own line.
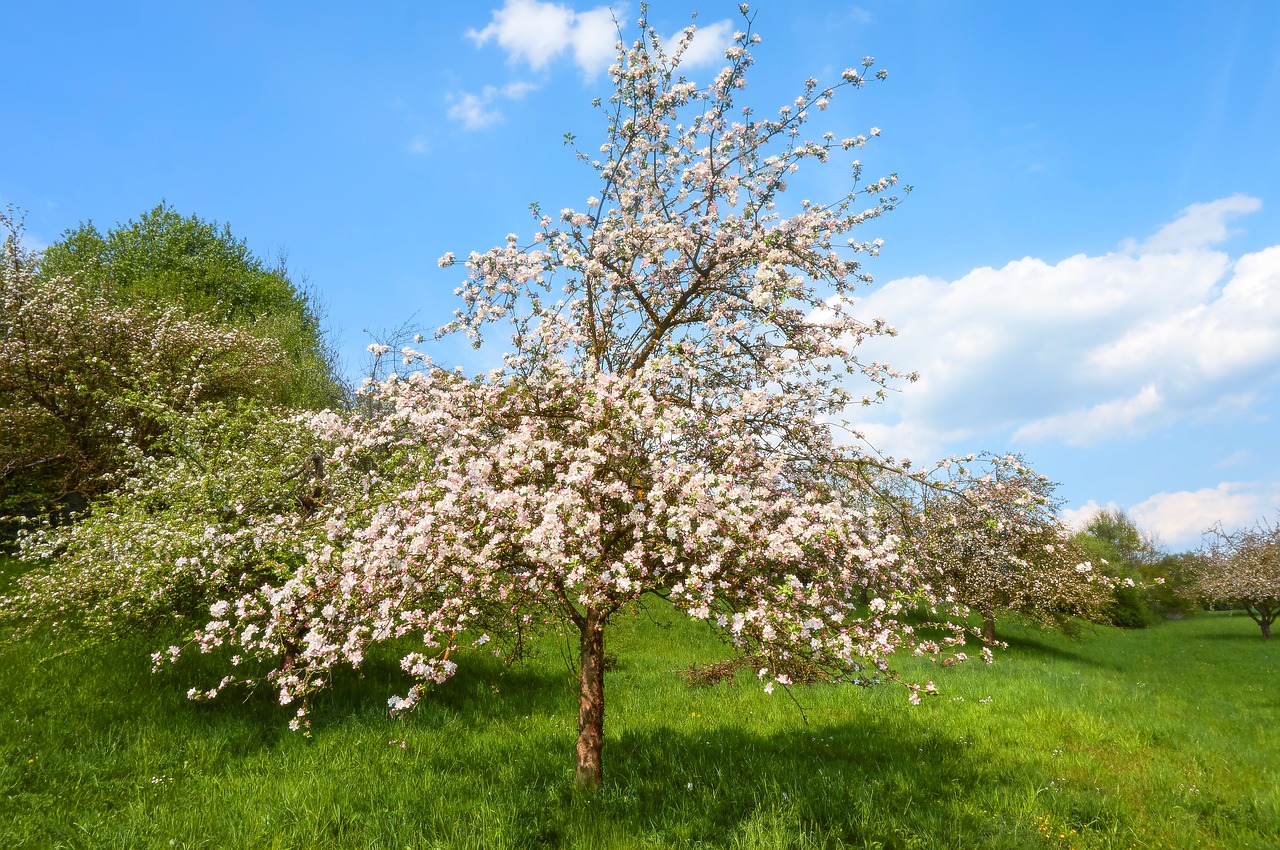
<point x="988" y="629"/>
<point x="590" y="770"/>
<point x="1264" y="616"/>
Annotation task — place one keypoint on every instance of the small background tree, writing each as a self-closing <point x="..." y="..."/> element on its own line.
<point x="995" y="544"/>
<point x="1242" y="568"/>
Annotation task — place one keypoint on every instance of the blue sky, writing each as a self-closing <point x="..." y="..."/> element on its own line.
<point x="1088" y="270"/>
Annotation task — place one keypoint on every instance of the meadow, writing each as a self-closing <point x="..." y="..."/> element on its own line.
<point x="1161" y="737"/>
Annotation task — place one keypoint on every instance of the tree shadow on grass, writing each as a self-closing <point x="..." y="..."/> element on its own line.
<point x="75" y="698"/>
<point x="483" y="688"/>
<point x="1030" y="645"/>
<point x="1254" y="637"/>
<point x="866" y="782"/>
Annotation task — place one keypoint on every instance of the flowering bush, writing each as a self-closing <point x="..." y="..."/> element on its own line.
<point x="167" y="260"/>
<point x="220" y="503"/>
<point x="1242" y="568"/>
<point x="86" y="382"/>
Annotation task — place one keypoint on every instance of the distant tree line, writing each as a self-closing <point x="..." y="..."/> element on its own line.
<point x="1151" y="583"/>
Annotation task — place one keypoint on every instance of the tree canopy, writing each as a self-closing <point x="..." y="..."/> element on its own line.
<point x="1149" y="582"/>
<point x="165" y="259"/>
<point x="996" y="544"/>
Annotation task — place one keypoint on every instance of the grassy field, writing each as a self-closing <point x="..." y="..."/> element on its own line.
<point x="1166" y="737"/>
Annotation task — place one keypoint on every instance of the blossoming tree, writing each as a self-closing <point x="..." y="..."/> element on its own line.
<point x="1243" y="567"/>
<point x="994" y="542"/>
<point x="659" y="426"/>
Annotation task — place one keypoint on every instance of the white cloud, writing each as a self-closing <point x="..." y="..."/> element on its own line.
<point x="474" y="110"/>
<point x="530" y="31"/>
<point x="1085" y="350"/>
<point x="1197" y="226"/>
<point x="477" y="111"/>
<point x="419" y="145"/>
<point x="517" y="89"/>
<point x="1119" y="417"/>
<point x="537" y="33"/>
<point x="707" y="47"/>
<point x="1078" y="518"/>
<point x="1236" y="330"/>
<point x="1180" y="518"/>
<point x="594" y="39"/>
<point x="906" y="440"/>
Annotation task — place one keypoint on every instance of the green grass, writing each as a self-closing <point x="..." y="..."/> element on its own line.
<point x="1165" y="737"/>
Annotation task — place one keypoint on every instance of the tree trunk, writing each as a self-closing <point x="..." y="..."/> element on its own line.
<point x="988" y="629"/>
<point x="1264" y="616"/>
<point x="590" y="769"/>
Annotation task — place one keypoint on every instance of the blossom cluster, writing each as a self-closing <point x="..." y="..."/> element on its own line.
<point x="222" y="502"/>
<point x="683" y="253"/>
<point x="547" y="501"/>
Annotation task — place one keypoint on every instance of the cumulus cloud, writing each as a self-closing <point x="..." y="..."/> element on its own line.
<point x="1106" y="419"/>
<point x="925" y="441"/>
<point x="1083" y="351"/>
<point x="537" y="33"/>
<point x="1197" y="226"/>
<point x="1180" y="518"/>
<point x="707" y="47"/>
<point x="594" y="37"/>
<point x="528" y="30"/>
